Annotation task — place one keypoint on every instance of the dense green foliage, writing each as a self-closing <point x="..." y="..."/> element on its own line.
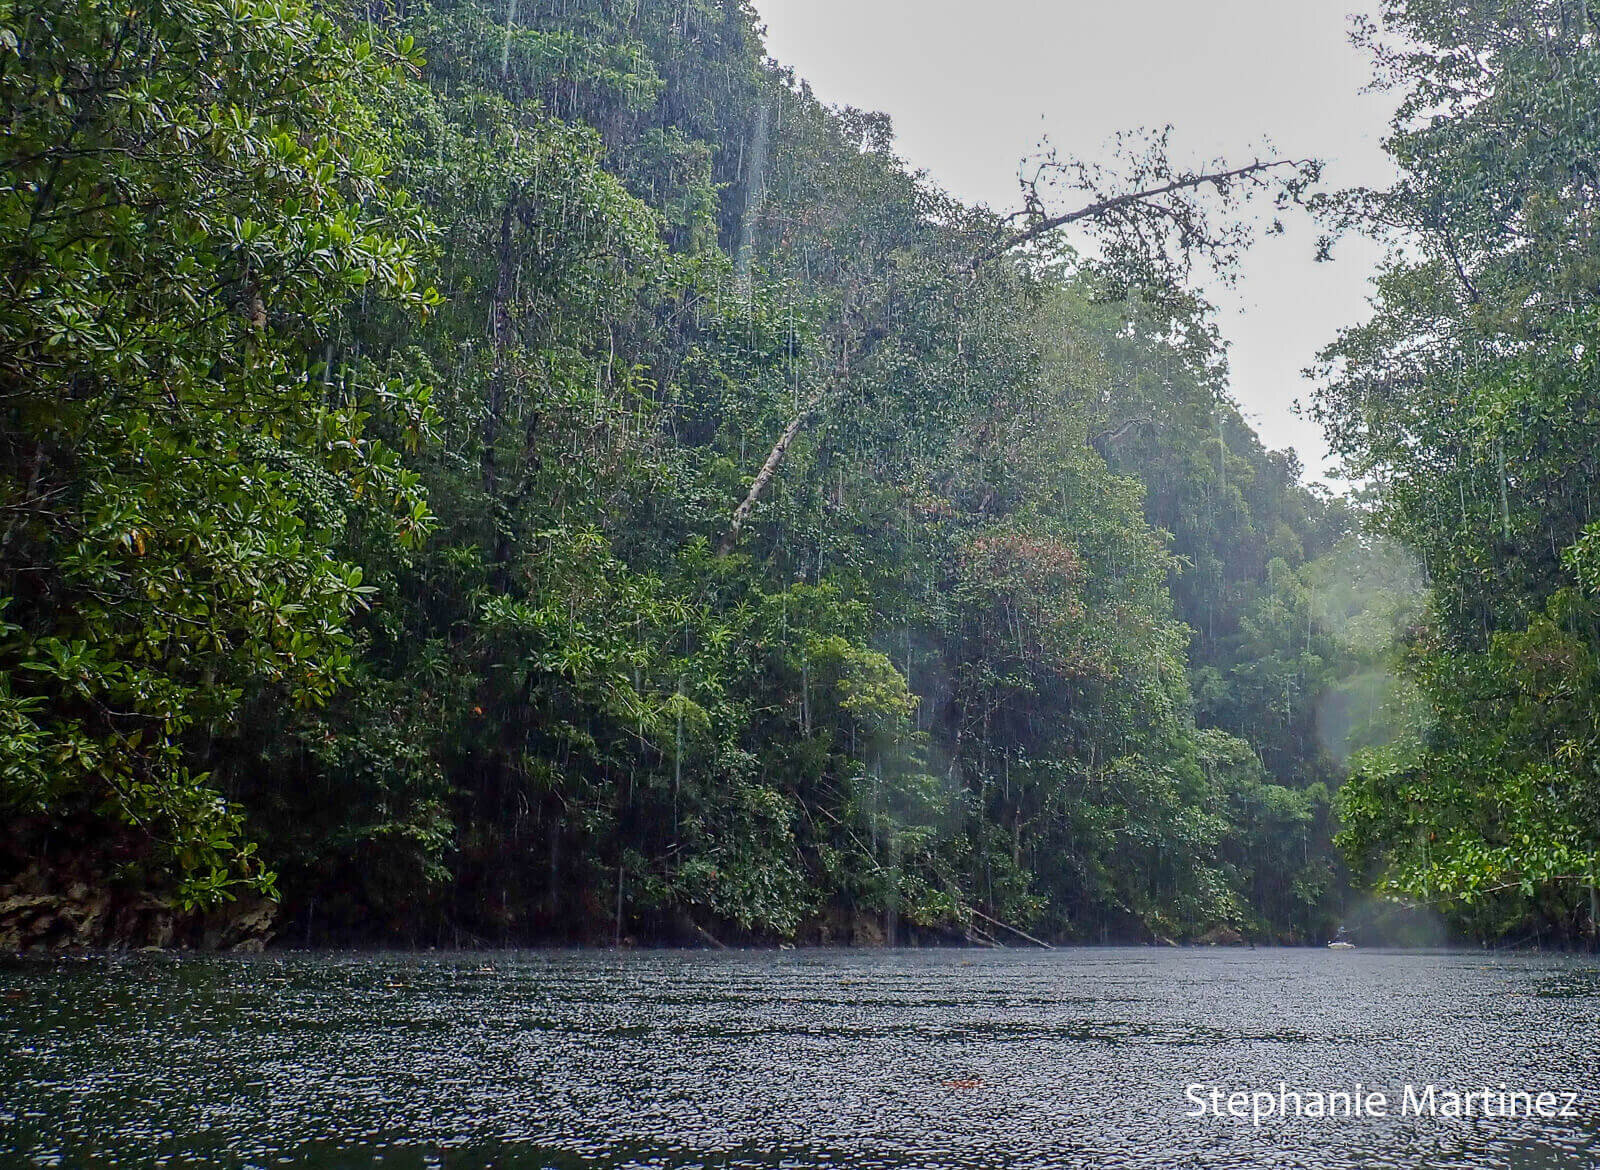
<point x="190" y="197"/>
<point x="376" y="431"/>
<point x="1469" y="401"/>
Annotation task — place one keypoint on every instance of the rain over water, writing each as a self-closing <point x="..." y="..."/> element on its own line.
<point x="785" y="1059"/>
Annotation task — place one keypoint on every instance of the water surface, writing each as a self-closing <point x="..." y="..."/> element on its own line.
<point x="798" y="1059"/>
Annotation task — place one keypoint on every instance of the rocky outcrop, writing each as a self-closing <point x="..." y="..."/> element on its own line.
<point x="838" y="927"/>
<point x="1221" y="936"/>
<point x="43" y="911"/>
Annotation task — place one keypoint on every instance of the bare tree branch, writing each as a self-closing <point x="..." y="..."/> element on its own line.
<point x="1104" y="207"/>
<point x="768" y="470"/>
<point x="1113" y="436"/>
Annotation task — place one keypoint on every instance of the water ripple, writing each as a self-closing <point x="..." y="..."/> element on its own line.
<point x="796" y="1059"/>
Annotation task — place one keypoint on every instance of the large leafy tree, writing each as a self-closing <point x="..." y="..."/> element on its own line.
<point x="190" y="192"/>
<point x="1470" y="401"/>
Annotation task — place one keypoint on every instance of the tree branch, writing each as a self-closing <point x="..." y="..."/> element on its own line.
<point x="1104" y="207"/>
<point x="764" y="476"/>
<point x="1114" y="435"/>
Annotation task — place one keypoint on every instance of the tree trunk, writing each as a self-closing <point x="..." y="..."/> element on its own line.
<point x="764" y="476"/>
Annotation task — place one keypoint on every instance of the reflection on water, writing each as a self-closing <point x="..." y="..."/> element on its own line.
<point x="798" y="1059"/>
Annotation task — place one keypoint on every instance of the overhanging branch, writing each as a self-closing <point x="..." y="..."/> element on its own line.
<point x="1104" y="207"/>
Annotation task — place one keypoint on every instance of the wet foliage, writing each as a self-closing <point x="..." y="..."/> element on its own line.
<point x="489" y="474"/>
<point x="1469" y="402"/>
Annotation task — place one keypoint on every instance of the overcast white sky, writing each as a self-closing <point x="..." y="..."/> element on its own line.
<point x="973" y="86"/>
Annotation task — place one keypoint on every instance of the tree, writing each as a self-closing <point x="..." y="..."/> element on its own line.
<point x="190" y="194"/>
<point x="1468" y="400"/>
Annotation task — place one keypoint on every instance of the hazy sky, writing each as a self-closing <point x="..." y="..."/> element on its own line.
<point x="973" y="86"/>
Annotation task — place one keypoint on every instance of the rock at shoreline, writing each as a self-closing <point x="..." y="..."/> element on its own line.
<point x="44" y="912"/>
<point x="1221" y="936"/>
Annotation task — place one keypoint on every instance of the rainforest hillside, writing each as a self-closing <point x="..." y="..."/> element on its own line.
<point x="475" y="475"/>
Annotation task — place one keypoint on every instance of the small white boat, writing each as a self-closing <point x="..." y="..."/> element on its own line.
<point x="1341" y="945"/>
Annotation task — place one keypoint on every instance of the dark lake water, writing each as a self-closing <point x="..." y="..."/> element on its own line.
<point x="795" y="1059"/>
